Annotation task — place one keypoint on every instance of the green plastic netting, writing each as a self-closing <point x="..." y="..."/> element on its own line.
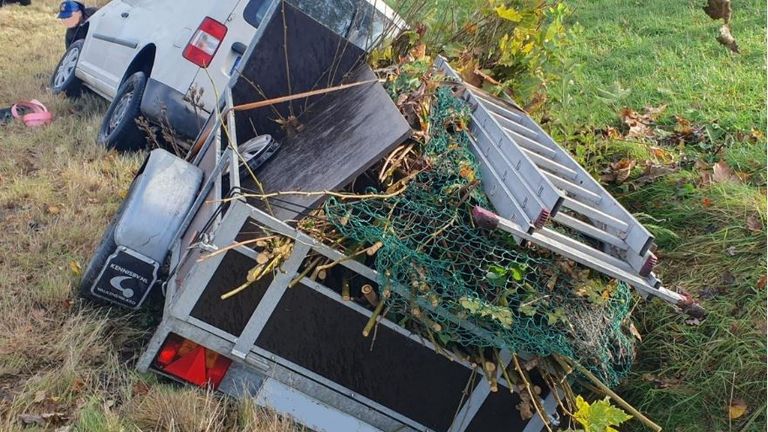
<point x="473" y="288"/>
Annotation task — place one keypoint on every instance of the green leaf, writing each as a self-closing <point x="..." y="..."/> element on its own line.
<point x="600" y="416"/>
<point x="484" y="309"/>
<point x="517" y="272"/>
<point x="509" y="13"/>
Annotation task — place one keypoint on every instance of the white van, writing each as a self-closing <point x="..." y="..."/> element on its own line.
<point x="165" y="59"/>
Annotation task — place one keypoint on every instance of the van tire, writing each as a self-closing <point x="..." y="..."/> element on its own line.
<point x="118" y="129"/>
<point x="64" y="79"/>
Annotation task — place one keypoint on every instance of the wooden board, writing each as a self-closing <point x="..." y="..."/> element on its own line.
<point x="293" y="54"/>
<point x="342" y="135"/>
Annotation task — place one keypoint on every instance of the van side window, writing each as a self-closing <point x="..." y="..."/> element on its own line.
<point x="255" y="10"/>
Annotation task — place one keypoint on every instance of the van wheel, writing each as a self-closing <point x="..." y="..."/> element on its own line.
<point x="118" y="128"/>
<point x="64" y="79"/>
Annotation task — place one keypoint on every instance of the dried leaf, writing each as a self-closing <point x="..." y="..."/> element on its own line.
<point x="419" y="51"/>
<point x="32" y="419"/>
<point x="761" y="282"/>
<point x="640" y="125"/>
<point x="661" y="383"/>
<point x="623" y="168"/>
<point x="721" y="173"/>
<point x="54" y="210"/>
<point x="633" y="331"/>
<point x="75" y="267"/>
<point x="39" y="397"/>
<point x="653" y="172"/>
<point x="754" y="224"/>
<point x="726" y="39"/>
<point x="693" y="322"/>
<point x="737" y="409"/>
<point x="719" y="9"/>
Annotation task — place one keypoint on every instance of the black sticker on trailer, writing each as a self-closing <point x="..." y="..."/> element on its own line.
<point x="126" y="279"/>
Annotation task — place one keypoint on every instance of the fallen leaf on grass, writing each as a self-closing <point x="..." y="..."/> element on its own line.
<point x="661" y="383"/>
<point x="719" y="9"/>
<point x="721" y="172"/>
<point x="761" y="282"/>
<point x="693" y="322"/>
<point x="42" y="419"/>
<point x="618" y="172"/>
<point x="726" y="39"/>
<point x="754" y="224"/>
<point x="54" y="210"/>
<point x="640" y="125"/>
<point x="737" y="409"/>
<point x="633" y="331"/>
<point x="75" y="267"/>
<point x="653" y="172"/>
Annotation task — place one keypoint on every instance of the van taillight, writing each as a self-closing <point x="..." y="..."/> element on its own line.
<point x="205" y="42"/>
<point x="191" y="362"/>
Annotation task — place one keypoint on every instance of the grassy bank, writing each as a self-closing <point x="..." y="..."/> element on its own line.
<point x="62" y="362"/>
<point x="711" y="234"/>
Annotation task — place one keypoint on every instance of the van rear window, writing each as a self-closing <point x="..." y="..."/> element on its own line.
<point x="255" y="10"/>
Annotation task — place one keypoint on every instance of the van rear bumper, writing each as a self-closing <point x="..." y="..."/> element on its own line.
<point x="163" y="104"/>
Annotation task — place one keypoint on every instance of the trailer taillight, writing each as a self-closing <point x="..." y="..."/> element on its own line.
<point x="205" y="42"/>
<point x="191" y="362"/>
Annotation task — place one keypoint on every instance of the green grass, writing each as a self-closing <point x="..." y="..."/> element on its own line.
<point x="664" y="53"/>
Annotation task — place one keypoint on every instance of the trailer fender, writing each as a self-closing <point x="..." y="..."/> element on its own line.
<point x="161" y="196"/>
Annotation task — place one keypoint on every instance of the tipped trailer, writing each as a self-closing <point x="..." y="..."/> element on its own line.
<point x="288" y="341"/>
<point x="189" y="231"/>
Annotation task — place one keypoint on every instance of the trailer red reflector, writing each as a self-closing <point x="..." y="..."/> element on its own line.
<point x="191" y="362"/>
<point x="205" y="42"/>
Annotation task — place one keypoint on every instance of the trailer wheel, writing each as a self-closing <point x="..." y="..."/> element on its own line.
<point x="105" y="248"/>
<point x="63" y="79"/>
<point x="118" y="128"/>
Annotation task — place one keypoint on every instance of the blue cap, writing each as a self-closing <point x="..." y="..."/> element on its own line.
<point x="67" y="8"/>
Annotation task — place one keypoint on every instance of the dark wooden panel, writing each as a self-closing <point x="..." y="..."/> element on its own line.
<point x="295" y="54"/>
<point x="232" y="314"/>
<point x="319" y="334"/>
<point x="344" y="134"/>
<point x="499" y="412"/>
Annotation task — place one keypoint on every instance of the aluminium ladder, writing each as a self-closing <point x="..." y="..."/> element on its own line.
<point x="543" y="196"/>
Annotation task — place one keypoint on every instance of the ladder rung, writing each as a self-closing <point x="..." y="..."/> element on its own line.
<point x="495" y="106"/>
<point x="515" y="126"/>
<point x="590" y="230"/>
<point x="595" y="214"/>
<point x="581" y="247"/>
<point x="549" y="164"/>
<point x="572" y="188"/>
<point x="529" y="144"/>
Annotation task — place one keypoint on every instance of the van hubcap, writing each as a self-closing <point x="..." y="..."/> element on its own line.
<point x="67" y="68"/>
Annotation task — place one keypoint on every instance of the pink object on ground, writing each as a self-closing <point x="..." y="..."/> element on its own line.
<point x="38" y="115"/>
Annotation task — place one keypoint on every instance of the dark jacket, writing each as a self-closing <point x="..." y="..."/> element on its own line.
<point x="78" y="32"/>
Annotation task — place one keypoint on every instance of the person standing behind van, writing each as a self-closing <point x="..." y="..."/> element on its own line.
<point x="73" y="15"/>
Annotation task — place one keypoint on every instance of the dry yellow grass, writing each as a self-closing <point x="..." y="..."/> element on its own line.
<point x="69" y="363"/>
